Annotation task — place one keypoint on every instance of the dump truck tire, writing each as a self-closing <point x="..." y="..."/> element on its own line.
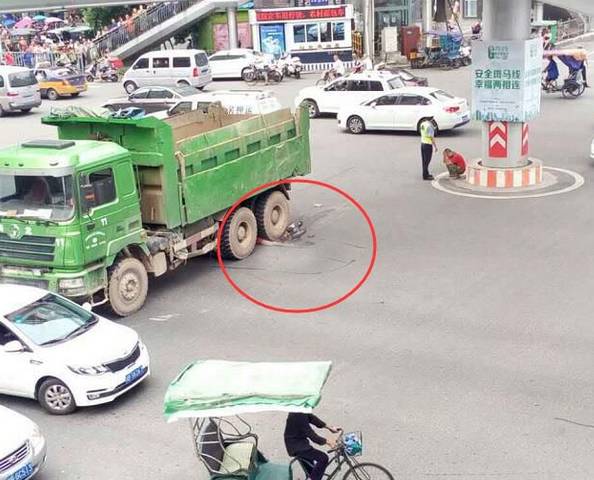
<point x="239" y="235"/>
<point x="273" y="215"/>
<point x="128" y="286"/>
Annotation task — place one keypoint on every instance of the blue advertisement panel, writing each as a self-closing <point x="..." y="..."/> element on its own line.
<point x="272" y="39"/>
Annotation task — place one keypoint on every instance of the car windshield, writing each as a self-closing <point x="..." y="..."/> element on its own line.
<point x="185" y="91"/>
<point x="442" y="96"/>
<point x="51" y="319"/>
<point x="36" y="197"/>
<point x="22" y="79"/>
<point x="395" y="82"/>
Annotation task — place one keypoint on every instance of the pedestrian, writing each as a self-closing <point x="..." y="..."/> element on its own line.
<point x="454" y="162"/>
<point x="428" y="145"/>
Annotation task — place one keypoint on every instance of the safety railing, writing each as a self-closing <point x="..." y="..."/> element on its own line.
<point x="33" y="60"/>
<point x="140" y="24"/>
<point x="571" y="28"/>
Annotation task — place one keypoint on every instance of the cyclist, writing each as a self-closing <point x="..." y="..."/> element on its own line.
<point x="298" y="433"/>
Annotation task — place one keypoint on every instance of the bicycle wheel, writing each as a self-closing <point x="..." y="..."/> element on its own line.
<point x="321" y="82"/>
<point x="367" y="471"/>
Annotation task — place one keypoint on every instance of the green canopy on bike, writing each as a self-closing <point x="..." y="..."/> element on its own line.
<point x="218" y="388"/>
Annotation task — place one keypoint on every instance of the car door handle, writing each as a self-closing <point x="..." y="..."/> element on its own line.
<point x="35" y="362"/>
<point x="91" y="226"/>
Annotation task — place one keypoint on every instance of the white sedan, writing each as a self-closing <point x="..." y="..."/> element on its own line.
<point x="63" y="355"/>
<point x="233" y="63"/>
<point x="405" y="109"/>
<point x="22" y="446"/>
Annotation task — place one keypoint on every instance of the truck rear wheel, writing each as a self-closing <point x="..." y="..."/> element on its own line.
<point x="240" y="234"/>
<point x="128" y="286"/>
<point x="273" y="215"/>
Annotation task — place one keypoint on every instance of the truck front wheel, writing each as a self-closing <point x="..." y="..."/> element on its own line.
<point x="239" y="235"/>
<point x="128" y="286"/>
<point x="272" y="213"/>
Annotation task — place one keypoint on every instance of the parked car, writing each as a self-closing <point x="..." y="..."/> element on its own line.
<point x="169" y="68"/>
<point x="19" y="89"/>
<point x="233" y="63"/>
<point x="409" y="79"/>
<point x="56" y="82"/>
<point x="63" y="355"/>
<point x="152" y="99"/>
<point x="350" y="89"/>
<point x="258" y="102"/>
<point x="405" y="109"/>
<point x="22" y="446"/>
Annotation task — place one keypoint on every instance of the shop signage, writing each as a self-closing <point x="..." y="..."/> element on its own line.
<point x="506" y="80"/>
<point x="288" y="15"/>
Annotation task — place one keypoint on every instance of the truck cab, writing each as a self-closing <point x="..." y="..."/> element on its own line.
<point x="64" y="206"/>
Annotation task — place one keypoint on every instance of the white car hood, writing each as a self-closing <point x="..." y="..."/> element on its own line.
<point x="16" y="429"/>
<point x="104" y="342"/>
<point x="307" y="91"/>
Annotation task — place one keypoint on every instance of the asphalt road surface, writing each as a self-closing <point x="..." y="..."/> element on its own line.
<point x="468" y="354"/>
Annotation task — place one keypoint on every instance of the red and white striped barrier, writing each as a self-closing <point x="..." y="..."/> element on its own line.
<point x="491" y="177"/>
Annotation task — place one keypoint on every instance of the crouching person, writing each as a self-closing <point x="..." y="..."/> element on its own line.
<point x="454" y="162"/>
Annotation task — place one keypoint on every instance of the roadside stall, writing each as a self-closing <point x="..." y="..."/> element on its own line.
<point x="314" y="34"/>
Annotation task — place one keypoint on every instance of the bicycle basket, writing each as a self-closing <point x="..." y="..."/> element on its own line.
<point x="353" y="443"/>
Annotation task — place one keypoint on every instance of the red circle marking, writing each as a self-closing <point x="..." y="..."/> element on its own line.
<point x="318" y="308"/>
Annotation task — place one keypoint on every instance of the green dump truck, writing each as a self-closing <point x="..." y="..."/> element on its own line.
<point x="114" y="201"/>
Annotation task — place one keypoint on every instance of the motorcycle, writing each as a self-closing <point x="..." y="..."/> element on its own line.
<point x="104" y="73"/>
<point x="291" y="66"/>
<point x="267" y="73"/>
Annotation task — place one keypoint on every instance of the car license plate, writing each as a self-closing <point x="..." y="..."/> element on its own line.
<point x="134" y="374"/>
<point x="22" y="473"/>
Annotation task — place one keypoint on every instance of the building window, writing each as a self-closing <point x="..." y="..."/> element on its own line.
<point x="325" y="32"/>
<point x="471" y="8"/>
<point x="299" y="33"/>
<point x="312" y="32"/>
<point x="338" y="31"/>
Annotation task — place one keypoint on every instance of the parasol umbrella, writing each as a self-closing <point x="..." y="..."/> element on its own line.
<point x="54" y="20"/>
<point x="39" y="18"/>
<point x="24" y="22"/>
<point x="9" y="22"/>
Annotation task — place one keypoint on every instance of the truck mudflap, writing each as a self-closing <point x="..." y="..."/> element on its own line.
<point x="79" y="286"/>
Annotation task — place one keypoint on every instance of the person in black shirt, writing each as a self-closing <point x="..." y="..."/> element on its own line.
<point x="298" y="433"/>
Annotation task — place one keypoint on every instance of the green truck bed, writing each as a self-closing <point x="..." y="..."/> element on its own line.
<point x="198" y="164"/>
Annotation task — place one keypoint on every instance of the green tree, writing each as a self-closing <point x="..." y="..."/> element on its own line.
<point x="98" y="17"/>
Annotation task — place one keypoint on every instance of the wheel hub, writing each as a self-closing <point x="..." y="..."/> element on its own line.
<point x="275" y="215"/>
<point x="129" y="286"/>
<point x="58" y="397"/>
<point x="242" y="232"/>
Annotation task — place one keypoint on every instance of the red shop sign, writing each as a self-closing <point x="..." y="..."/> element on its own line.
<point x="286" y="15"/>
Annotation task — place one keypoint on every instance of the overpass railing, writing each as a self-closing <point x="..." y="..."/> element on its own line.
<point x="142" y="23"/>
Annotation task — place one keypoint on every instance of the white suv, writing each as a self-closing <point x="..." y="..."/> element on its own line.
<point x="62" y="354"/>
<point x="233" y="63"/>
<point x="350" y="89"/>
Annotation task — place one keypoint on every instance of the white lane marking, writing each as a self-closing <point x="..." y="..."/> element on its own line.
<point x="164" y="318"/>
<point x="578" y="182"/>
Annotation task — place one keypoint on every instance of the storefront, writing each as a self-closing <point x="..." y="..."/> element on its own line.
<point x="314" y="34"/>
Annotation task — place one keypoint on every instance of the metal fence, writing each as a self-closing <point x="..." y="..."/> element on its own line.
<point x="141" y="24"/>
<point x="32" y="60"/>
<point x="571" y="28"/>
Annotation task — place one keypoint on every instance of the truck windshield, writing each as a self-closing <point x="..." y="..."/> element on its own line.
<point x="51" y="319"/>
<point x="36" y="197"/>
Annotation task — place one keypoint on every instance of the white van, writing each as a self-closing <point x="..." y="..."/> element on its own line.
<point x="169" y="68"/>
<point x="19" y="89"/>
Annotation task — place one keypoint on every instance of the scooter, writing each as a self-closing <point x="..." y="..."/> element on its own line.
<point x="290" y="66"/>
<point x="104" y="73"/>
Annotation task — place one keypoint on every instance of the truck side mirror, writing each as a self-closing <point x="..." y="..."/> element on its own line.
<point x="87" y="197"/>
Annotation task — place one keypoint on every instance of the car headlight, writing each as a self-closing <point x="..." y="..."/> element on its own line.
<point x="37" y="439"/>
<point x="77" y="282"/>
<point x="97" y="370"/>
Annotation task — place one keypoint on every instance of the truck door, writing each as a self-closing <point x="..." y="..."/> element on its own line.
<point x="98" y="203"/>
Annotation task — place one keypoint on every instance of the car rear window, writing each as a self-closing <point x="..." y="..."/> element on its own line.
<point x="22" y="79"/>
<point x="442" y="96"/>
<point x="395" y="82"/>
<point x="201" y="59"/>
<point x="181" y="62"/>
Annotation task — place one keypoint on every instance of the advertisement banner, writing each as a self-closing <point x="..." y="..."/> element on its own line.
<point x="506" y="80"/>
<point x="272" y="39"/>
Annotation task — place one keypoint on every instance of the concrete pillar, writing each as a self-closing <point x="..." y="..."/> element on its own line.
<point x="538" y="11"/>
<point x="369" y="19"/>
<point x="232" y="26"/>
<point x="507" y="20"/>
<point x="427" y="15"/>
